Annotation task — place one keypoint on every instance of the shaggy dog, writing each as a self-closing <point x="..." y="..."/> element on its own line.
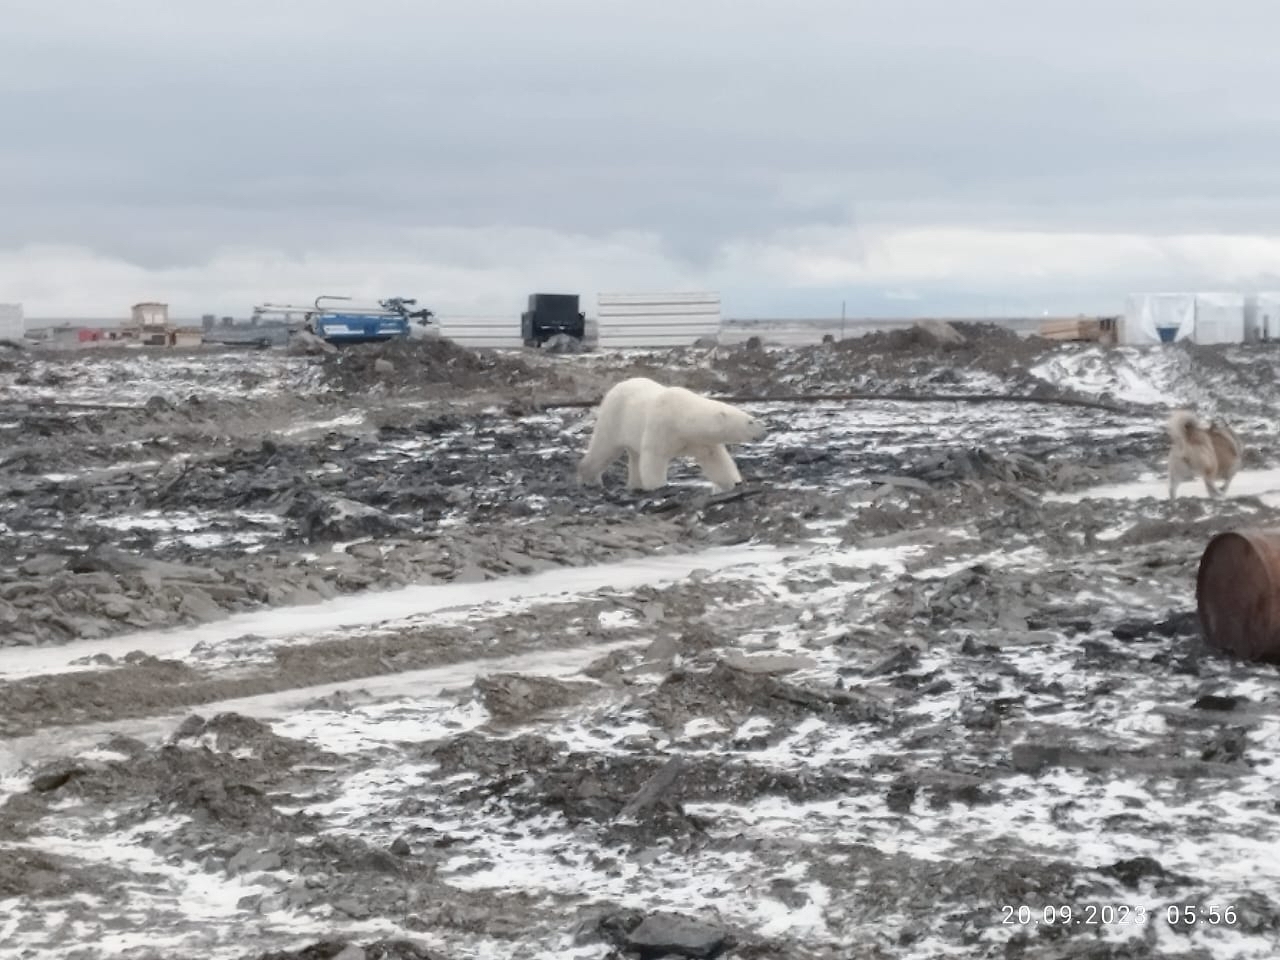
<point x="1209" y="451"/>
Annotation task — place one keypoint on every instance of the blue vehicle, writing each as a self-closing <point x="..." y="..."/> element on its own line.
<point x="391" y="319"/>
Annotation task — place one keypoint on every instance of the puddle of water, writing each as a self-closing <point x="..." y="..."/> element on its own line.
<point x="1264" y="484"/>
<point x="380" y="607"/>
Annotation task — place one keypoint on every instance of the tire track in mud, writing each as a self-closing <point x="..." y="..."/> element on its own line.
<point x="137" y="684"/>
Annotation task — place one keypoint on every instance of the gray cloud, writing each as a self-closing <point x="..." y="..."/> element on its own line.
<point x="161" y="133"/>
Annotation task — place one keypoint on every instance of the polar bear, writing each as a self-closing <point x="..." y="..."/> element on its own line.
<point x="654" y="424"/>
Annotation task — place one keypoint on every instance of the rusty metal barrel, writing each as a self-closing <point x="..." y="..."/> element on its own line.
<point x="1238" y="593"/>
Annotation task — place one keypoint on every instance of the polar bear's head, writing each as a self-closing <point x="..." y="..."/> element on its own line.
<point x="740" y="426"/>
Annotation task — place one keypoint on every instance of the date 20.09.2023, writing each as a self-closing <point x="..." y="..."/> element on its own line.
<point x="1099" y="914"/>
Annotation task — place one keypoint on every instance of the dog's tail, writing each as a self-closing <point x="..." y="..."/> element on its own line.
<point x="1224" y="431"/>
<point x="1183" y="423"/>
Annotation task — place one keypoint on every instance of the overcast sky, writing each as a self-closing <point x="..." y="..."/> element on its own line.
<point x="906" y="156"/>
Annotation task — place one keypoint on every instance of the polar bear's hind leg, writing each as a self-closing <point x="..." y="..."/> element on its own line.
<point x="654" y="462"/>
<point x="633" y="469"/>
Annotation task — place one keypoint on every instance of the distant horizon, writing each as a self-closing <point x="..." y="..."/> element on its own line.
<point x="109" y="321"/>
<point x="808" y="306"/>
<point x="754" y="305"/>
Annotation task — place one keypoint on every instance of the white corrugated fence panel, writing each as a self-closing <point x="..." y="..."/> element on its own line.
<point x="12" y="324"/>
<point x="496" y="333"/>
<point x="633" y="320"/>
<point x="645" y="299"/>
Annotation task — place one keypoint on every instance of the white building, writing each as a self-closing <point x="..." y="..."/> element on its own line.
<point x="151" y="316"/>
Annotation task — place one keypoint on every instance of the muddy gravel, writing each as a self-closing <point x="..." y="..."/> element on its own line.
<point x="329" y="657"/>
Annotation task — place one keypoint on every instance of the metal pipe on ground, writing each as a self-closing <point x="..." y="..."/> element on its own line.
<point x="1238" y="593"/>
<point x="894" y="397"/>
<point x="779" y="398"/>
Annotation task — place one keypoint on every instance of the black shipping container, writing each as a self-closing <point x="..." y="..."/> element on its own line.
<point x="550" y="314"/>
<point x="554" y="304"/>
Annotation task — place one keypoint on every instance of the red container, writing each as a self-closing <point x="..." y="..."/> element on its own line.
<point x="1238" y="593"/>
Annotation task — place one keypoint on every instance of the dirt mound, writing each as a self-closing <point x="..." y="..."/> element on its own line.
<point x="221" y="771"/>
<point x="731" y="697"/>
<point x="660" y="934"/>
<point x="31" y="872"/>
<point x="514" y="698"/>
<point x="533" y="776"/>
<point x="975" y="463"/>
<point x="986" y="347"/>
<point x="916" y="359"/>
<point x="414" y="363"/>
<point x="976" y="337"/>
<point x="329" y="518"/>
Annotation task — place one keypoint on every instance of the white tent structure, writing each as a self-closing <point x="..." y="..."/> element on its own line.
<point x="1198" y="317"/>
<point x="1220" y="318"/>
<point x="1158" y="318"/>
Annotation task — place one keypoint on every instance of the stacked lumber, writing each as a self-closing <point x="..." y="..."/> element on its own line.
<point x="1096" y="329"/>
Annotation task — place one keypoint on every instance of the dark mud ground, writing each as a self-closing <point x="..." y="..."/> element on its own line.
<point x="998" y="672"/>
<point x="96" y="497"/>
